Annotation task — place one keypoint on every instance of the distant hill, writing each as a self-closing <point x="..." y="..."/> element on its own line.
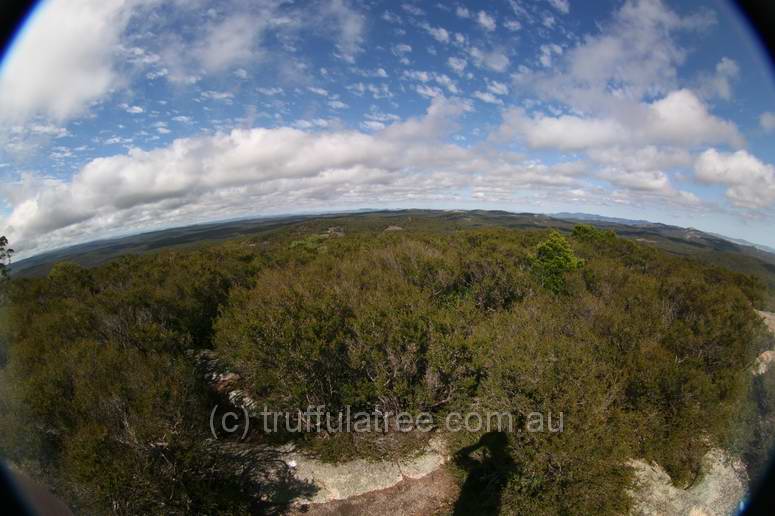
<point x="588" y="217"/>
<point x="736" y="255"/>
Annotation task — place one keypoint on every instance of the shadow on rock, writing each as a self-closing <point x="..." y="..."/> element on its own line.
<point x="488" y="467"/>
<point x="276" y="486"/>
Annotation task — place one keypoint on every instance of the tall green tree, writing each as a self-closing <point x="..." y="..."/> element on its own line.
<point x="553" y="258"/>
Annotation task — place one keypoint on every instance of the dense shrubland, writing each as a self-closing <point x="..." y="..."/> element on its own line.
<point x="644" y="354"/>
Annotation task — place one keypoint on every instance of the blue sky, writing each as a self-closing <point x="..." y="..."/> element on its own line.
<point x="118" y="116"/>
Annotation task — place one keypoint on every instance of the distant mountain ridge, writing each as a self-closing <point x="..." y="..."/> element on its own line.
<point x="589" y="217"/>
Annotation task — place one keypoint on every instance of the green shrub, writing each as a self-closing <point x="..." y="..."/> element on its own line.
<point x="553" y="258"/>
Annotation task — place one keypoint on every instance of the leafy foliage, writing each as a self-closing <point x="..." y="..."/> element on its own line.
<point x="553" y="259"/>
<point x="5" y="256"/>
<point x="643" y="354"/>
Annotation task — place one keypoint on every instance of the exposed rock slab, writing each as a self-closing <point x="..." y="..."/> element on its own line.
<point x="432" y="494"/>
<point x="769" y="320"/>
<point x="718" y="492"/>
<point x="354" y="478"/>
<point x="765" y="359"/>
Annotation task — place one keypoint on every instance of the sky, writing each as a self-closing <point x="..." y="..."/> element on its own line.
<point x="121" y="116"/>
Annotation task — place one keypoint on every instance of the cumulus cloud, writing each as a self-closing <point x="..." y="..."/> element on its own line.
<point x="230" y="41"/>
<point x="441" y="79"/>
<point x="654" y="180"/>
<point x="189" y="48"/>
<point x="644" y="171"/>
<point x="488" y="97"/>
<point x="440" y="34"/>
<point x="561" y="5"/>
<point x="85" y="45"/>
<point x="350" y="25"/>
<point x="236" y="33"/>
<point x="250" y="170"/>
<point x="462" y="12"/>
<point x="720" y="83"/>
<point x="547" y="51"/>
<point x="636" y="51"/>
<point x="412" y="9"/>
<point x="73" y="41"/>
<point x="649" y="157"/>
<point x="486" y="21"/>
<point x="381" y="91"/>
<point x="497" y="88"/>
<point x="458" y="64"/>
<point x="635" y="148"/>
<point x="495" y="60"/>
<point x="679" y="118"/>
<point x="751" y="182"/>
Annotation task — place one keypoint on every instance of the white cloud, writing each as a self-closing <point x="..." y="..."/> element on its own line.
<point x="318" y="91"/>
<point x="228" y="42"/>
<point x="497" y="88"/>
<point x="440" y="79"/>
<point x="381" y="91"/>
<point x="391" y="17"/>
<point x="223" y="96"/>
<point x="494" y="60"/>
<point x="84" y="44"/>
<point x="679" y="118"/>
<point x="252" y="170"/>
<point x="488" y="97"/>
<point x="634" y="56"/>
<point x="400" y="51"/>
<point x="720" y="83"/>
<point x="417" y="75"/>
<point x="644" y="170"/>
<point x="134" y="110"/>
<point x="648" y="180"/>
<point x="751" y="182"/>
<point x="350" y="26"/>
<point x="567" y="132"/>
<point x="458" y="64"/>
<point x="43" y="129"/>
<point x="547" y="51"/>
<point x="767" y="121"/>
<point x="64" y="59"/>
<point x="462" y="12"/>
<point x="235" y="34"/>
<point x="318" y="123"/>
<point x="270" y="92"/>
<point x="412" y="9"/>
<point x="372" y="125"/>
<point x="447" y="82"/>
<point x="486" y="21"/>
<point x="429" y="91"/>
<point x="561" y="5"/>
<point x="649" y="157"/>
<point x="440" y="34"/>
